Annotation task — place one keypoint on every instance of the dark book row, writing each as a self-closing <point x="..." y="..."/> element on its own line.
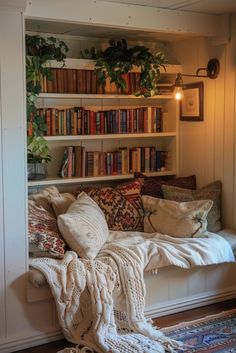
<point x="77" y="162"/>
<point x="85" y="81"/>
<point x="81" y="121"/>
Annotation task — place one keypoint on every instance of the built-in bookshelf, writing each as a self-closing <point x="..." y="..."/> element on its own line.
<point x="110" y="135"/>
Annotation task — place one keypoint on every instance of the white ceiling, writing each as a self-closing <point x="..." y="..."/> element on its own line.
<point x="201" y="6"/>
<point x="210" y="7"/>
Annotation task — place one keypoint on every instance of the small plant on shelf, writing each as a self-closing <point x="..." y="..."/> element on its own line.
<point x="39" y="50"/>
<point x="37" y="157"/>
<point x="118" y="60"/>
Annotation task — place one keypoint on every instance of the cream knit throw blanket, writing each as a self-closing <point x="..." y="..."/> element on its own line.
<point x="100" y="302"/>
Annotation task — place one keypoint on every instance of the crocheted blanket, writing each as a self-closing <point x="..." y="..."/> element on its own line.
<point x="101" y="302"/>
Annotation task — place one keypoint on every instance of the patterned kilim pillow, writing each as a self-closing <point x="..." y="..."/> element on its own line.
<point x="44" y="236"/>
<point x="152" y="185"/>
<point x="122" y="205"/>
<point x="209" y="192"/>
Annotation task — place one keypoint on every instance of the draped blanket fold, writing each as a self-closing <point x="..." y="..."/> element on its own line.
<point x="100" y="302"/>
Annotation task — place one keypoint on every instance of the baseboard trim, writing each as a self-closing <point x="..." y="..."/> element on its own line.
<point x="16" y="344"/>
<point x="183" y="304"/>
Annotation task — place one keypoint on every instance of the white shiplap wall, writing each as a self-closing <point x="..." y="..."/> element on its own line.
<point x="207" y="148"/>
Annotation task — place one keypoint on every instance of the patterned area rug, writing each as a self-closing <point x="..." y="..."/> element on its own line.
<point x="212" y="334"/>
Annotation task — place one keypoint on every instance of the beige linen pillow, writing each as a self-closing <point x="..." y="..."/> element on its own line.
<point x="60" y="203"/>
<point x="84" y="227"/>
<point x="182" y="220"/>
<point x="211" y="191"/>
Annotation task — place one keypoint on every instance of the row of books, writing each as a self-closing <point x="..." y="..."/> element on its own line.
<point x="81" y="121"/>
<point x="85" y="81"/>
<point x="77" y="162"/>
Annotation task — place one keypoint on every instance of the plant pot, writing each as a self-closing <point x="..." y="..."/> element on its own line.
<point x="37" y="171"/>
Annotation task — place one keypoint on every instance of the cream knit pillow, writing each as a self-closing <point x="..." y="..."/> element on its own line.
<point x="84" y="227"/>
<point x="178" y="219"/>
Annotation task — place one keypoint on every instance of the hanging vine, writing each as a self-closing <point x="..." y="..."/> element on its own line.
<point x="39" y="51"/>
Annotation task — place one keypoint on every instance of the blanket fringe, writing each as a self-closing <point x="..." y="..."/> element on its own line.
<point x="77" y="349"/>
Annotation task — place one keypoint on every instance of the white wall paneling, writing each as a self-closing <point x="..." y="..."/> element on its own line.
<point x="208" y="148"/>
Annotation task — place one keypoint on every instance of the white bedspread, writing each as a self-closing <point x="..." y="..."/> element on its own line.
<point x="159" y="250"/>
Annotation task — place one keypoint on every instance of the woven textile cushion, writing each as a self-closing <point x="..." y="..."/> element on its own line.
<point x="84" y="227"/>
<point x="211" y="191"/>
<point x="60" y="203"/>
<point x="152" y="185"/>
<point x="122" y="205"/>
<point x="44" y="236"/>
<point x="178" y="219"/>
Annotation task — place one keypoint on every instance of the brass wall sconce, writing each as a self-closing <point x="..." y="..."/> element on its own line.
<point x="211" y="71"/>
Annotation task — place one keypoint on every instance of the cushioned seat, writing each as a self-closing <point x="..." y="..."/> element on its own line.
<point x="39" y="280"/>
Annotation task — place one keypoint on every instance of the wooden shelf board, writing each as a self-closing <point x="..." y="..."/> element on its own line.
<point x="100" y="96"/>
<point x="109" y="136"/>
<point x="61" y="181"/>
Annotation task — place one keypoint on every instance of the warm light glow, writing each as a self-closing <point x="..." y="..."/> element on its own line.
<point x="178" y="93"/>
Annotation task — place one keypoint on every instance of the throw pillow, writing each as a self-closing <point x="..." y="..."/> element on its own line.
<point x="84" y="227"/>
<point x="152" y="185"/>
<point x="211" y="191"/>
<point x="122" y="205"/>
<point x="43" y="233"/>
<point x="184" y="219"/>
<point x="43" y="198"/>
<point x="61" y="203"/>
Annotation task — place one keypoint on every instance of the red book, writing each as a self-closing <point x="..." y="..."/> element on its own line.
<point x="92" y="125"/>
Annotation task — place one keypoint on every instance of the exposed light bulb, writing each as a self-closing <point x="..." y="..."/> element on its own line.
<point x="178" y="93"/>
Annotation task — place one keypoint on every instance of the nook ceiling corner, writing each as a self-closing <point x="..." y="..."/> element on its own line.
<point x="126" y="16"/>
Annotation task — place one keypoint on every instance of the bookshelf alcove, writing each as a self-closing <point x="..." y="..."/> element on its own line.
<point x="164" y="140"/>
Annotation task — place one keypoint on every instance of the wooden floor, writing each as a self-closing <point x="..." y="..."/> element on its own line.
<point x="163" y="321"/>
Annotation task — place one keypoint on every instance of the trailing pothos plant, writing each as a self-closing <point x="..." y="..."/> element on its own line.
<point x="39" y="50"/>
<point x="118" y="60"/>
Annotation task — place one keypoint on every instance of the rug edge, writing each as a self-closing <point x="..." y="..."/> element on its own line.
<point x="197" y="321"/>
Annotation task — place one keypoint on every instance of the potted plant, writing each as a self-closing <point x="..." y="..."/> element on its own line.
<point x="118" y="59"/>
<point x="39" y="51"/>
<point x="38" y="157"/>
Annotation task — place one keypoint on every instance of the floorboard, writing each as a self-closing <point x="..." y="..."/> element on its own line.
<point x="163" y="321"/>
